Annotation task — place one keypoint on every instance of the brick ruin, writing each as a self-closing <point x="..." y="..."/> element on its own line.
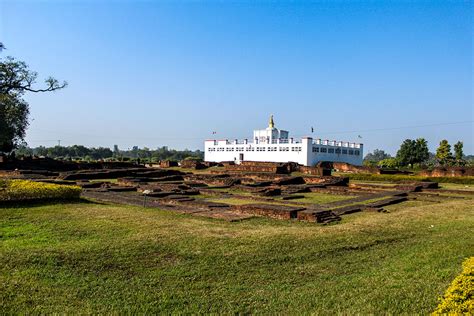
<point x="264" y="189"/>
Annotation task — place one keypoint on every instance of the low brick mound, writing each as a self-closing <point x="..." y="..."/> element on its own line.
<point x="177" y="198"/>
<point x="45" y="173"/>
<point x="291" y="189"/>
<point x="318" y="216"/>
<point x="168" y="163"/>
<point x="117" y="173"/>
<point x="207" y="204"/>
<point x="328" y="181"/>
<point x="374" y="209"/>
<point x="258" y="184"/>
<point x="292" y="197"/>
<point x="274" y="211"/>
<point x="192" y="164"/>
<point x="269" y="192"/>
<point x="257" y="166"/>
<point x="366" y="198"/>
<point x="348" y="209"/>
<point x="385" y="202"/>
<point x="195" y="184"/>
<point x="160" y="194"/>
<point x="91" y="185"/>
<point x="464" y="192"/>
<point x="409" y="187"/>
<point x="121" y="189"/>
<point x="335" y="190"/>
<point x="429" y="185"/>
<point x="289" y="181"/>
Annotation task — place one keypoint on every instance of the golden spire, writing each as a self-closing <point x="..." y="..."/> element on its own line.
<point x="270" y="123"/>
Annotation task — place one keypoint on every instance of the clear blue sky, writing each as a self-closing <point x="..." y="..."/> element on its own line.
<point x="151" y="73"/>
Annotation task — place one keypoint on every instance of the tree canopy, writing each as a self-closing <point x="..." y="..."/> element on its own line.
<point x="376" y="156"/>
<point x="413" y="152"/>
<point x="443" y="153"/>
<point x="16" y="79"/>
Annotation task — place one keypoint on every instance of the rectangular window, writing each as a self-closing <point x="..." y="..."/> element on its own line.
<point x="331" y="150"/>
<point x="344" y="151"/>
<point x="351" y="152"/>
<point x="338" y="151"/>
<point x="357" y="152"/>
<point x="323" y="150"/>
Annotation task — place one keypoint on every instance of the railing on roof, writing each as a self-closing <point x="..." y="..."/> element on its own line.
<point x="320" y="142"/>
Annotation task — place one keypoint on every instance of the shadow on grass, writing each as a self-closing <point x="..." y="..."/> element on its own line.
<point x="42" y="202"/>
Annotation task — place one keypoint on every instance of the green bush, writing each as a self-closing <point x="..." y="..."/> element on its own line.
<point x="22" y="190"/>
<point x="402" y="178"/>
<point x="459" y="297"/>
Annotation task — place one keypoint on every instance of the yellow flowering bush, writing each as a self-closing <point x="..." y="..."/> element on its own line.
<point x="459" y="297"/>
<point x="21" y="190"/>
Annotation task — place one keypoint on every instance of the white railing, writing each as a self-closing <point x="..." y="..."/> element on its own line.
<point x="284" y="141"/>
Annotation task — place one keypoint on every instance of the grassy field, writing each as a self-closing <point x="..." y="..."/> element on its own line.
<point x="86" y="257"/>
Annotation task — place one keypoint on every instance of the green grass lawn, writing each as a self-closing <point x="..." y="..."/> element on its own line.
<point x="96" y="258"/>
<point x="455" y="186"/>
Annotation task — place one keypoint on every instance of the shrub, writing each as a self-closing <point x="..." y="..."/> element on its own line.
<point x="459" y="297"/>
<point x="391" y="163"/>
<point x="21" y="190"/>
<point x="401" y="178"/>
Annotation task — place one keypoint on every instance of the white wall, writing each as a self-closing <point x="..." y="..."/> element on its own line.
<point x="302" y="152"/>
<point x="297" y="152"/>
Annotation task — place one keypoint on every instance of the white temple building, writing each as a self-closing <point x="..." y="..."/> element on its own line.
<point x="275" y="145"/>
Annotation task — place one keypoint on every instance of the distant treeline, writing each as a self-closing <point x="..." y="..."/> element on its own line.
<point x="79" y="152"/>
<point x="413" y="153"/>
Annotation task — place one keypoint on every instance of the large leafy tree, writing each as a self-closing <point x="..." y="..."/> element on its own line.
<point x="443" y="153"/>
<point x="413" y="151"/>
<point x="16" y="79"/>
<point x="406" y="155"/>
<point x="422" y="153"/>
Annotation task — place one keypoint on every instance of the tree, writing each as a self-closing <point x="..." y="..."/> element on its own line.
<point x="116" y="151"/>
<point x="443" y="153"/>
<point x="422" y="153"/>
<point x="406" y="155"/>
<point x="15" y="80"/>
<point x="459" y="153"/>
<point x="412" y="152"/>
<point x="376" y="156"/>
<point x="14" y="113"/>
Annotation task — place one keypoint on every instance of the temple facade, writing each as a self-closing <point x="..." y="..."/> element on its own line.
<point x="275" y="145"/>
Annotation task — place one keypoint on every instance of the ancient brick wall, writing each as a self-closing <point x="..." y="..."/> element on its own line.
<point x="345" y="167"/>
<point x="168" y="163"/>
<point x="316" y="171"/>
<point x="448" y="172"/>
<point x="257" y="166"/>
<point x="192" y="164"/>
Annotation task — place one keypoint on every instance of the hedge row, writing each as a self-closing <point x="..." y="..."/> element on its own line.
<point x="459" y="297"/>
<point x="22" y="190"/>
<point x="401" y="178"/>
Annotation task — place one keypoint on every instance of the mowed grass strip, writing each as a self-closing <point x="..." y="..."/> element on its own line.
<point x="85" y="257"/>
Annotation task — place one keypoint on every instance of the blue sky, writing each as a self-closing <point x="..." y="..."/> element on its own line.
<point x="151" y="73"/>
